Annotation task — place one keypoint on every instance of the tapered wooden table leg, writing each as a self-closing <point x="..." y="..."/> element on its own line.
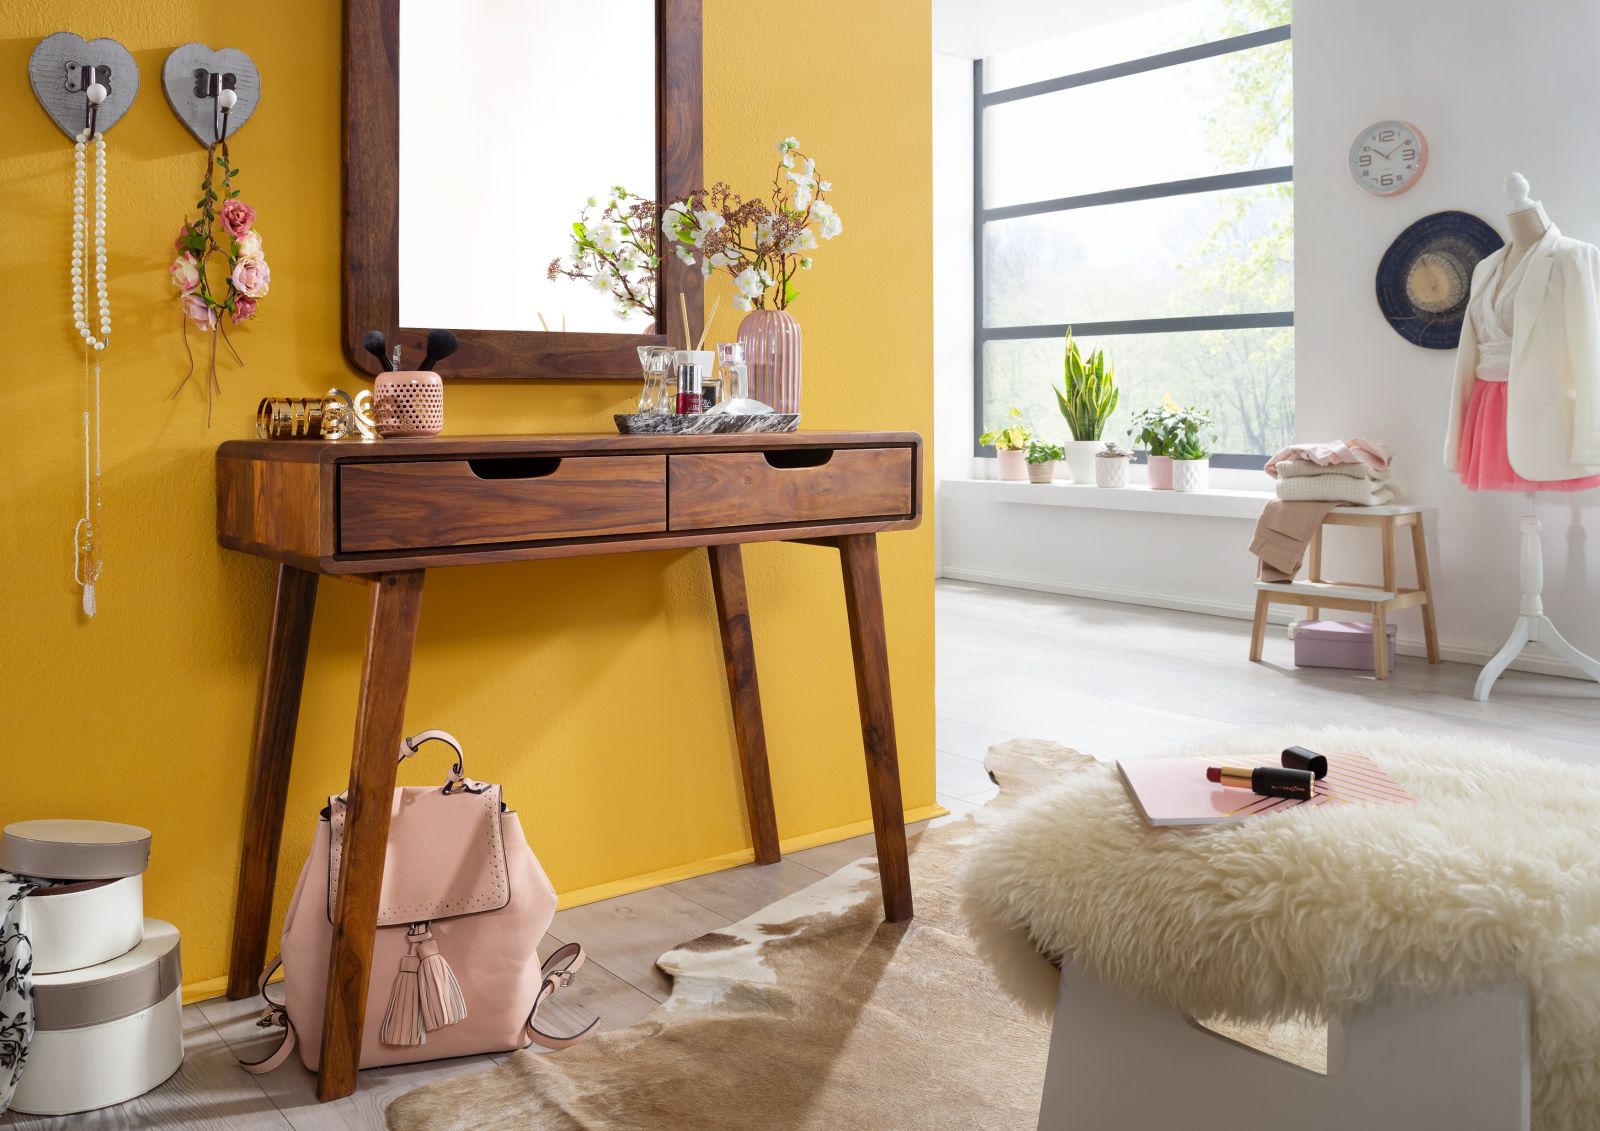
<point x="738" y="652"/>
<point x="863" y="597"/>
<point x="380" y="718"/>
<point x="287" y="641"/>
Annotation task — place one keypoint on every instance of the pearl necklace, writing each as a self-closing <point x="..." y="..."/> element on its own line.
<point x="87" y="562"/>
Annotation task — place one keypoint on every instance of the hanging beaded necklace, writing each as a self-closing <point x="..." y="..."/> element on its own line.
<point x="89" y="253"/>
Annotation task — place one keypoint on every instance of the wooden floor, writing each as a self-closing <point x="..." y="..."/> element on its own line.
<point x="1110" y="680"/>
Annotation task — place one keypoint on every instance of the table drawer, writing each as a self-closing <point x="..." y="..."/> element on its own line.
<point x="468" y="502"/>
<point x="707" y="490"/>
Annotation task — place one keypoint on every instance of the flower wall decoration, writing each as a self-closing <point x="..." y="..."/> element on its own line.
<point x="616" y="251"/>
<point x="225" y="228"/>
<point x="761" y="243"/>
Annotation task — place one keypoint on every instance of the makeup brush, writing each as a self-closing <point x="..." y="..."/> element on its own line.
<point x="441" y="344"/>
<point x="372" y="341"/>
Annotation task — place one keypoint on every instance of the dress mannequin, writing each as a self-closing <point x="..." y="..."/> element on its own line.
<point x="1494" y="442"/>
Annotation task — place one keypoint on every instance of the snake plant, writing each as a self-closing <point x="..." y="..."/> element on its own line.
<point x="1089" y="393"/>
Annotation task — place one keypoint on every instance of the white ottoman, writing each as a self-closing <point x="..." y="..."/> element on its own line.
<point x="1436" y="924"/>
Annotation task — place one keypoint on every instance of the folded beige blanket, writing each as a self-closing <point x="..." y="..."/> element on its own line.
<point x="1295" y="468"/>
<point x="1336" y="488"/>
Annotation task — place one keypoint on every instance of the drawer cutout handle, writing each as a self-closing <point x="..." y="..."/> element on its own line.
<point x="799" y="457"/>
<point x="517" y="467"/>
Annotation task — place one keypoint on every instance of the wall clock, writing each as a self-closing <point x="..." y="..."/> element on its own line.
<point x="1388" y="157"/>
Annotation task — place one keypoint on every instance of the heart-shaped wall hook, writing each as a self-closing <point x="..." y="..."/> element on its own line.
<point x="194" y="75"/>
<point x="56" y="70"/>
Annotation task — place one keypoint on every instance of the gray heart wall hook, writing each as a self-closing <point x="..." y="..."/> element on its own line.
<point x="60" y="72"/>
<point x="211" y="92"/>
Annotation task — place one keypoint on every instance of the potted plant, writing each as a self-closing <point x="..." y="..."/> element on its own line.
<point x="1157" y="431"/>
<point x="1010" y="446"/>
<point x="1088" y="397"/>
<point x="1042" y="460"/>
<point x="1111" y="465"/>
<point x="1191" y="456"/>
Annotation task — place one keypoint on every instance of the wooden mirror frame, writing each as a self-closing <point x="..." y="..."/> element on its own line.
<point x="371" y="264"/>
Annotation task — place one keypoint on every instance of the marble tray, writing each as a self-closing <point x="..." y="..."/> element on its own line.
<point x="703" y="424"/>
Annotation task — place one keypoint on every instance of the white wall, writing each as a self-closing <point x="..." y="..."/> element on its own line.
<point x="952" y="272"/>
<point x="1494" y="86"/>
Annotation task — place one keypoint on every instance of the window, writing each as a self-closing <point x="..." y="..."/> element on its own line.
<point x="1135" y="182"/>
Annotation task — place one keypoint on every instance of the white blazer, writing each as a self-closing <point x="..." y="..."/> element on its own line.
<point x="1553" y="398"/>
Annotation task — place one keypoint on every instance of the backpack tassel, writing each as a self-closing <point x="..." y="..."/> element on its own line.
<point x="442" y="1002"/>
<point x="402" y="1022"/>
<point x="426" y="995"/>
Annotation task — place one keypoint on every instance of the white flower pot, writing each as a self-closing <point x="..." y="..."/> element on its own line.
<point x="1042" y="472"/>
<point x="1191" y="474"/>
<point x="1012" y="465"/>
<point x="1110" y="471"/>
<point x="1080" y="459"/>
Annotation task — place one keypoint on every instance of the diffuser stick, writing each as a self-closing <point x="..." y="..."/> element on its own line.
<point x="543" y="323"/>
<point x="683" y="306"/>
<point x="710" y="318"/>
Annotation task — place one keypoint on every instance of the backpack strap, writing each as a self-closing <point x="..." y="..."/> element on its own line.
<point x="558" y="970"/>
<point x="275" y="1014"/>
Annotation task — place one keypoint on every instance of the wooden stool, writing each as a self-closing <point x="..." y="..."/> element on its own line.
<point x="1379" y="601"/>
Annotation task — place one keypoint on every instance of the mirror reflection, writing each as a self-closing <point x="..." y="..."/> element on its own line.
<point x="513" y="117"/>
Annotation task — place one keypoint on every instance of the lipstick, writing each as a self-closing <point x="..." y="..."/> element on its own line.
<point x="1268" y="781"/>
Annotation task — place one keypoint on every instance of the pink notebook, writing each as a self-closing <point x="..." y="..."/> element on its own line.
<point x="1174" y="791"/>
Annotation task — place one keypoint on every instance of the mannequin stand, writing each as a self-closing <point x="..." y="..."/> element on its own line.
<point x="1532" y="627"/>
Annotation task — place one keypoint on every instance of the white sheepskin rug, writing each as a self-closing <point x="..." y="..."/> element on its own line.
<point x="1494" y="875"/>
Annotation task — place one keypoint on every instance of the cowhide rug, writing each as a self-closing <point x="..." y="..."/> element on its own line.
<point x="812" y="1013"/>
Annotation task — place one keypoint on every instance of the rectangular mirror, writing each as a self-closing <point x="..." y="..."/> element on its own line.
<point x="476" y="131"/>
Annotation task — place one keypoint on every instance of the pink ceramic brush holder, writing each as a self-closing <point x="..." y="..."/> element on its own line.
<point x="408" y="403"/>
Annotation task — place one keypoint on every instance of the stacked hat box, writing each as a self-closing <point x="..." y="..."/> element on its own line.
<point x="108" y="1013"/>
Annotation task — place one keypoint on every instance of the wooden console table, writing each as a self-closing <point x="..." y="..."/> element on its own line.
<point x="384" y="513"/>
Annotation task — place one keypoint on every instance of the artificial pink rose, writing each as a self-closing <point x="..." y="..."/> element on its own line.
<point x="248" y="244"/>
<point x="183" y="237"/>
<point x="185" y="272"/>
<point x="236" y="216"/>
<point x="251" y="276"/>
<point x="244" y="308"/>
<point x="202" y="315"/>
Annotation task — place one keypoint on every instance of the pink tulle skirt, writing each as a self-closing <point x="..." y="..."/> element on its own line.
<point x="1485" y="464"/>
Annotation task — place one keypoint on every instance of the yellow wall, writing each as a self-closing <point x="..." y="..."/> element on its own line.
<point x="593" y="687"/>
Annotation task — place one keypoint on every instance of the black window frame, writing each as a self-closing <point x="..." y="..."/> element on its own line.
<point x="1278" y="174"/>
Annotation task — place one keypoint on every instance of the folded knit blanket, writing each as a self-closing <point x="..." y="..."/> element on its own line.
<point x="1294" y="468"/>
<point x="1336" y="488"/>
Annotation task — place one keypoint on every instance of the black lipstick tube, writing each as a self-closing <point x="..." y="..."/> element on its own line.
<point x="1268" y="781"/>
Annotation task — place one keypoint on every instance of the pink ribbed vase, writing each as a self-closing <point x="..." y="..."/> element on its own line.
<point x="771" y="340"/>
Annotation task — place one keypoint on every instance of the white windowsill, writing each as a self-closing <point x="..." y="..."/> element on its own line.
<point x="1214" y="503"/>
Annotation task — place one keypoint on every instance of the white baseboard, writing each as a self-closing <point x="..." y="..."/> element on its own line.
<point x="1475" y="657"/>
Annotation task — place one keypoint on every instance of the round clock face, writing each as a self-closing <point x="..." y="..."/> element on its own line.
<point x="1388" y="157"/>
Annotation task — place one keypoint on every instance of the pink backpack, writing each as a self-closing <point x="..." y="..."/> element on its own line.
<point x="463" y="906"/>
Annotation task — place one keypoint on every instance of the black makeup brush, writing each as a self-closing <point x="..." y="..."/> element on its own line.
<point x="441" y="344"/>
<point x="372" y="341"/>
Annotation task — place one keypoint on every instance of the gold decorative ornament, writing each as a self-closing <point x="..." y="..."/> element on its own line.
<point x="334" y="416"/>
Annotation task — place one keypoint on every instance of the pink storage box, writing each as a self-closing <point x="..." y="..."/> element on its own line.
<point x="1337" y="644"/>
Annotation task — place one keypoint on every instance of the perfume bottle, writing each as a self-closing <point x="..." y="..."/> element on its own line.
<point x="735" y="373"/>
<point x="692" y="368"/>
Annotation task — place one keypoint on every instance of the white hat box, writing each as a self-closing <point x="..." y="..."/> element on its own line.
<point x="99" y="913"/>
<point x="106" y="1033"/>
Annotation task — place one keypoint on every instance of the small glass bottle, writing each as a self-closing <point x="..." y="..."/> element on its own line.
<point x="735" y="373"/>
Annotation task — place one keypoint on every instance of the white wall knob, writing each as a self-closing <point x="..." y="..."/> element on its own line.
<point x="227" y="99"/>
<point x="96" y="93"/>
